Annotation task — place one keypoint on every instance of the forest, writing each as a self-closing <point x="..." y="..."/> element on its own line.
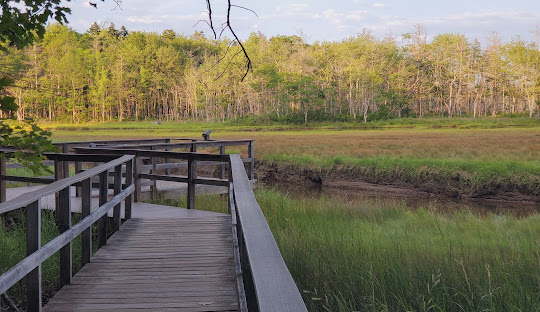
<point x="110" y="74"/>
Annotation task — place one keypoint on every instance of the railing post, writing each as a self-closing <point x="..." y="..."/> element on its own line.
<point x="129" y="182"/>
<point x="251" y="156"/>
<point x="2" y="182"/>
<point x="58" y="170"/>
<point x="167" y="170"/>
<point x="86" y="244"/>
<point x="64" y="223"/>
<point x="136" y="171"/>
<point x="102" y="223"/>
<point x="154" y="181"/>
<point x="192" y="175"/>
<point x="78" y="168"/>
<point x="33" y="243"/>
<point x="65" y="150"/>
<point x="117" y="190"/>
<point x="222" y="167"/>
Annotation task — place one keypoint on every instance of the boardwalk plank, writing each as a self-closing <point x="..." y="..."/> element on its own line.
<point x="160" y="265"/>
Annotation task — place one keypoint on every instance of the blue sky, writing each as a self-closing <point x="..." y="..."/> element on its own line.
<point x="318" y="20"/>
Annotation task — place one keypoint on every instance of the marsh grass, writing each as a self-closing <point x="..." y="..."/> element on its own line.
<point x="13" y="250"/>
<point x="376" y="256"/>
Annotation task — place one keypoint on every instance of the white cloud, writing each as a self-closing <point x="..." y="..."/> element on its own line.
<point x="378" y="5"/>
<point x="356" y="15"/>
<point x="144" y="19"/>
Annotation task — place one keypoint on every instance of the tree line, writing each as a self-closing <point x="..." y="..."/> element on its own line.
<point x="108" y="74"/>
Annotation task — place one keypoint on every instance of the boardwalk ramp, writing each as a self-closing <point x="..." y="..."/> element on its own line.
<point x="158" y="264"/>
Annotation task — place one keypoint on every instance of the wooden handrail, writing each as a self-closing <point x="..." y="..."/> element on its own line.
<point x="30" y="197"/>
<point x="209" y="143"/>
<point x="150" y="153"/>
<point x="37" y="254"/>
<point x="268" y="283"/>
<point x="29" y="263"/>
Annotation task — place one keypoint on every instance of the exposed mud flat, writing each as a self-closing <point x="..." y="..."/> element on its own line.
<point x="347" y="182"/>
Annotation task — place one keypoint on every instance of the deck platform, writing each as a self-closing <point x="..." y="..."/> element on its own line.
<point x="158" y="264"/>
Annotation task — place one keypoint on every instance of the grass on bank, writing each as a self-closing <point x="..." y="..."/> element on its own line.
<point x="466" y="177"/>
<point x="372" y="256"/>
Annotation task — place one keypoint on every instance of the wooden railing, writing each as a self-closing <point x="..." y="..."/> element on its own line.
<point x="167" y="144"/>
<point x="264" y="282"/>
<point x="267" y="282"/>
<point x="191" y="179"/>
<point x="37" y="254"/>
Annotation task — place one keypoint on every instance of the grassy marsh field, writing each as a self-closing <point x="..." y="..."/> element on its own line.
<point x="375" y="256"/>
<point x="462" y="157"/>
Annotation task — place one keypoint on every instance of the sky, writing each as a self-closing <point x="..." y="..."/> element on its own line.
<point x="320" y="20"/>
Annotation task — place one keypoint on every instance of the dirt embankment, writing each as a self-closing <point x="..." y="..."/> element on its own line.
<point x="400" y="183"/>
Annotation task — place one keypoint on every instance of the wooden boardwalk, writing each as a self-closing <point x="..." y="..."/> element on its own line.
<point x="172" y="264"/>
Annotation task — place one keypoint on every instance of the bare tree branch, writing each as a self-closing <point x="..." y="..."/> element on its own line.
<point x="228" y="23"/>
<point x="225" y="26"/>
<point x="211" y="24"/>
<point x="241" y="7"/>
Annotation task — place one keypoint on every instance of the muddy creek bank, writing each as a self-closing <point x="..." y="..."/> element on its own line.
<point x="349" y="186"/>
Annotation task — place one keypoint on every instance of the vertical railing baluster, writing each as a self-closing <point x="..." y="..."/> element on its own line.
<point x="103" y="194"/>
<point x="64" y="223"/>
<point x="154" y="181"/>
<point x="117" y="190"/>
<point x="136" y="171"/>
<point x="78" y="169"/>
<point x="65" y="169"/>
<point x="222" y="167"/>
<point x="192" y="175"/>
<point x="86" y="236"/>
<point x="167" y="160"/>
<point x="58" y="170"/>
<point x="33" y="243"/>
<point x="129" y="182"/>
<point x="251" y="156"/>
<point x="2" y="182"/>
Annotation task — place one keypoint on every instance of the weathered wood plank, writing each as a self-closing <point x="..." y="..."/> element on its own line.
<point x="158" y="264"/>
<point x="117" y="190"/>
<point x="269" y="285"/>
<point x="33" y="243"/>
<point x="86" y="238"/>
<point x="64" y="223"/>
<point x="129" y="181"/>
<point x="52" y="188"/>
<point x="2" y="182"/>
<point x="102" y="223"/>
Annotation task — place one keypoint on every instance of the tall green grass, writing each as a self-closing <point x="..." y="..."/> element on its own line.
<point x="13" y="250"/>
<point x="375" y="256"/>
